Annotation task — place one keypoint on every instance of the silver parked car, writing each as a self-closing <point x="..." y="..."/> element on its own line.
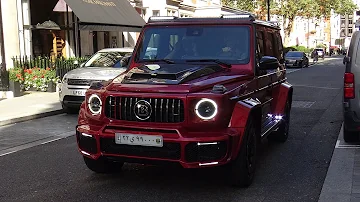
<point x="104" y="65"/>
<point x="351" y="98"/>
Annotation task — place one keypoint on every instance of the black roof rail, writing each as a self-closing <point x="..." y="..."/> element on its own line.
<point x="243" y="16"/>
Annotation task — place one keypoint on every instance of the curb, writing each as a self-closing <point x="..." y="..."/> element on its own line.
<point x="31" y="117"/>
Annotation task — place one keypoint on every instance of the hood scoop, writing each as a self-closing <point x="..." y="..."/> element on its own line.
<point x="168" y="73"/>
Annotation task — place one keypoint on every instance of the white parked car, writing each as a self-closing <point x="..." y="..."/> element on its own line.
<point x="104" y="65"/>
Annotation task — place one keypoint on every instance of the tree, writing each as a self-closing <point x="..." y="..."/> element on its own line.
<point x="290" y="9"/>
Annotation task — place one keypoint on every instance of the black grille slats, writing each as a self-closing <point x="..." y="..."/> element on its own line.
<point x="164" y="110"/>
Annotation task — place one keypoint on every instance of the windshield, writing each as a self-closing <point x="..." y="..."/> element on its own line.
<point x="230" y="44"/>
<point x="294" y="54"/>
<point x="106" y="59"/>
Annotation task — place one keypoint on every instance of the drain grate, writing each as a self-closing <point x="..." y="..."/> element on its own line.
<point x="302" y="104"/>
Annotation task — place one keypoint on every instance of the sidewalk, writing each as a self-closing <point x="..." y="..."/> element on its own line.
<point x="29" y="106"/>
<point x="342" y="182"/>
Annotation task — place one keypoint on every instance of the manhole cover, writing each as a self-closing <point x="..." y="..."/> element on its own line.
<point x="302" y="104"/>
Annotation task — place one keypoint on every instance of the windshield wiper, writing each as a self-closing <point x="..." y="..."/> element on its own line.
<point x="212" y="60"/>
<point x="160" y="60"/>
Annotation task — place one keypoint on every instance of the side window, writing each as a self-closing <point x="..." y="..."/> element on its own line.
<point x="260" y="44"/>
<point x="269" y="41"/>
<point x="280" y="44"/>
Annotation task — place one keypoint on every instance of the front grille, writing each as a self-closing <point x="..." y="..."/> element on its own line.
<point x="168" y="151"/>
<point x="164" y="110"/>
<point x="81" y="82"/>
<point x="204" y="153"/>
<point x="74" y="99"/>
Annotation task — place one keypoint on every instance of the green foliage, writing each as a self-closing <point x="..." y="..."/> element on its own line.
<point x="289" y="9"/>
<point x="16" y="74"/>
<point x="297" y="48"/>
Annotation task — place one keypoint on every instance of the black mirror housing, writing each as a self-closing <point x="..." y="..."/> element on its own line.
<point x="268" y="63"/>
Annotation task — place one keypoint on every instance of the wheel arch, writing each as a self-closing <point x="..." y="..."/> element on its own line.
<point x="244" y="111"/>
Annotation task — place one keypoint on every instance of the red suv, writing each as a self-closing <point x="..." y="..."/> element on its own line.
<point x="199" y="92"/>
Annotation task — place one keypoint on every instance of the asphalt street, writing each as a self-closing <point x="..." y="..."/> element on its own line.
<point x="292" y="171"/>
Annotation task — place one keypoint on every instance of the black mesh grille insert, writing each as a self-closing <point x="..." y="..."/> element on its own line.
<point x="162" y="109"/>
<point x="168" y="151"/>
<point x="203" y="153"/>
<point x="87" y="144"/>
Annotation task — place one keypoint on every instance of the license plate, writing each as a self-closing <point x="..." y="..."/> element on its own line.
<point x="79" y="92"/>
<point x="143" y="140"/>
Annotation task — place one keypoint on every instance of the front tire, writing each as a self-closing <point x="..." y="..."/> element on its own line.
<point x="103" y="165"/>
<point x="282" y="134"/>
<point x="351" y="136"/>
<point x="242" y="170"/>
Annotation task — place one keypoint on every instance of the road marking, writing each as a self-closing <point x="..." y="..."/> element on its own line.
<point x="320" y="87"/>
<point x="288" y="71"/>
<point x="35" y="143"/>
<point x="343" y="145"/>
<point x="302" y="104"/>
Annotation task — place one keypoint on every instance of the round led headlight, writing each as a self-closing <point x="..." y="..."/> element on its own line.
<point x="94" y="104"/>
<point x="206" y="109"/>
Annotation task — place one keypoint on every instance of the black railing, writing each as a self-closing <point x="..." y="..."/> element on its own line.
<point x="61" y="65"/>
<point x="4" y="79"/>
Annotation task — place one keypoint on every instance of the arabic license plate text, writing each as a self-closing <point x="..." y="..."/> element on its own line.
<point x="143" y="140"/>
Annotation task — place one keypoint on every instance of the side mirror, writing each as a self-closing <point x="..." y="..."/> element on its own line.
<point x="268" y="62"/>
<point x="82" y="64"/>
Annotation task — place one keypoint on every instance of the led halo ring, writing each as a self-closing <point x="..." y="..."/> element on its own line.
<point x="93" y="96"/>
<point x="202" y="101"/>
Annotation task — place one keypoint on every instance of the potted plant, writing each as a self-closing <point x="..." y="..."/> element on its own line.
<point x="16" y="79"/>
<point x="51" y="79"/>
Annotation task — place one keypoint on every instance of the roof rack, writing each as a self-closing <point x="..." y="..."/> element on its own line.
<point x="161" y="18"/>
<point x="239" y="16"/>
<point x="243" y="16"/>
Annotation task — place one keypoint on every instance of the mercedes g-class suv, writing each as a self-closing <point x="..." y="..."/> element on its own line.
<point x="212" y="90"/>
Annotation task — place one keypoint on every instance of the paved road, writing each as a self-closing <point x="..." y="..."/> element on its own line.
<point x="293" y="171"/>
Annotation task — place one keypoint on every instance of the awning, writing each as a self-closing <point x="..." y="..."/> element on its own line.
<point x="106" y="15"/>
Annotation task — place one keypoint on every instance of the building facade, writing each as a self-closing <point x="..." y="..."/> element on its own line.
<point x="69" y="28"/>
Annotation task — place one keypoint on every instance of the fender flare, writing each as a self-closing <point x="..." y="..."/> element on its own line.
<point x="283" y="93"/>
<point x="239" y="119"/>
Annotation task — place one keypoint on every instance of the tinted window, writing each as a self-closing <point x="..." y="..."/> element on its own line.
<point x="270" y="50"/>
<point x="260" y="43"/>
<point x="294" y="54"/>
<point x="226" y="43"/>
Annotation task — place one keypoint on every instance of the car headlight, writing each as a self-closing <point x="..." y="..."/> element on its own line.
<point x="206" y="109"/>
<point x="94" y="104"/>
<point x="64" y="80"/>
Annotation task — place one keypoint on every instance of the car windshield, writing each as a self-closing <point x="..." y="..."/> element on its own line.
<point x="294" y="54"/>
<point x="183" y="44"/>
<point x="106" y="59"/>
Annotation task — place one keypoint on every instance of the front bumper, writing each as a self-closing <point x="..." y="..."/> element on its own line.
<point x="72" y="96"/>
<point x="203" y="149"/>
<point x="293" y="64"/>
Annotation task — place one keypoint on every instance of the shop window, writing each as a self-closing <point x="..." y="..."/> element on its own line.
<point x="156" y="13"/>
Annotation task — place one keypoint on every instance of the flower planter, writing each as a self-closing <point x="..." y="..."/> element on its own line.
<point x="14" y="86"/>
<point x="51" y="87"/>
<point x="32" y="89"/>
